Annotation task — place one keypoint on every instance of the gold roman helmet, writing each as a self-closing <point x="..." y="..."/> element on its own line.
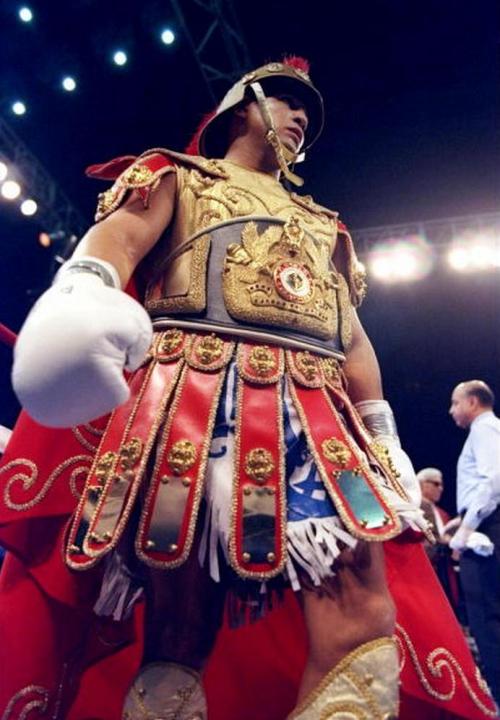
<point x="290" y="77"/>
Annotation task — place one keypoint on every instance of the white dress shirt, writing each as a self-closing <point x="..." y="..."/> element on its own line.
<point x="478" y="470"/>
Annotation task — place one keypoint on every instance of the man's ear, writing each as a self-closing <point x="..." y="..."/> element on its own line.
<point x="474" y="402"/>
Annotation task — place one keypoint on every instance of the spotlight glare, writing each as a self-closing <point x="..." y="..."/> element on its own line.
<point x="69" y="83"/>
<point x="167" y="36"/>
<point x="458" y="258"/>
<point x="29" y="207"/>
<point x="381" y="267"/>
<point x="11" y="190"/>
<point x="404" y="259"/>
<point x="25" y="14"/>
<point x="481" y="256"/>
<point x="120" y="57"/>
<point x="3" y="171"/>
<point x="18" y="108"/>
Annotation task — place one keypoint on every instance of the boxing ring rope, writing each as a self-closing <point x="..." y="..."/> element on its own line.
<point x="7" y="337"/>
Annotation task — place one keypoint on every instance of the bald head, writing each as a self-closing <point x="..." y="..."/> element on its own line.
<point x="469" y="399"/>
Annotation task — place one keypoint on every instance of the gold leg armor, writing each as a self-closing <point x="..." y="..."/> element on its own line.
<point x="165" y="691"/>
<point x="363" y="686"/>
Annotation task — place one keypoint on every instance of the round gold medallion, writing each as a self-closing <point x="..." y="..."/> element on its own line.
<point x="293" y="282"/>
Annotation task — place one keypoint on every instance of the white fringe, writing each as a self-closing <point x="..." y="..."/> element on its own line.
<point x="313" y="545"/>
<point x="118" y="592"/>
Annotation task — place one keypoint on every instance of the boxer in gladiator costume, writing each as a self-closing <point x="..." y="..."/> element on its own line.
<point x="249" y="445"/>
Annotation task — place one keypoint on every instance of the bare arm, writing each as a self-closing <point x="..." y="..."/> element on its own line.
<point x="128" y="234"/>
<point x="361" y="367"/>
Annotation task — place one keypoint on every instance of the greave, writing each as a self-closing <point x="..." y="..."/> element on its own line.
<point x="363" y="686"/>
<point x="165" y="691"/>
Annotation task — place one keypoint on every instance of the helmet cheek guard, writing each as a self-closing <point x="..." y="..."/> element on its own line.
<point x="289" y="77"/>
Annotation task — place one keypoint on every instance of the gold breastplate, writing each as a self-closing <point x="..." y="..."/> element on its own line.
<point x="278" y="275"/>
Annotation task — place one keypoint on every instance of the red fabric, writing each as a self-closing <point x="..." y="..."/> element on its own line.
<point x="111" y="169"/>
<point x="254" y="672"/>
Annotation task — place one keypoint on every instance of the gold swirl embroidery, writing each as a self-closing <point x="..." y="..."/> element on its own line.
<point x="352" y="709"/>
<point x="73" y="479"/>
<point x="437" y="661"/>
<point x="29" y="480"/>
<point x="98" y="432"/>
<point x="82" y="440"/>
<point x="41" y="703"/>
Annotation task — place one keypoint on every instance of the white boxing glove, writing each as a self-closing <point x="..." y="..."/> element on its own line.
<point x="378" y="419"/>
<point x="77" y="340"/>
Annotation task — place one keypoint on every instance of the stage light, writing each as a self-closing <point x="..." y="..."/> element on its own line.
<point x="401" y="259"/>
<point x="18" y="108"/>
<point x="458" y="258"/>
<point x="3" y="171"/>
<point x="69" y="83"/>
<point x="475" y="252"/>
<point x="10" y="190"/>
<point x="120" y="57"/>
<point x="29" y="207"/>
<point x="46" y="239"/>
<point x="25" y="14"/>
<point x="167" y="36"/>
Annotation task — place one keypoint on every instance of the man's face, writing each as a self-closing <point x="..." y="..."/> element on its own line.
<point x="289" y="117"/>
<point x="462" y="407"/>
<point x="432" y="489"/>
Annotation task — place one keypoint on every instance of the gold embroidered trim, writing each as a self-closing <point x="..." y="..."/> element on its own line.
<point x="208" y="165"/>
<point x="335" y="498"/>
<point x="29" y="480"/>
<point x="307" y="202"/>
<point x="280" y="517"/>
<point x="137" y="175"/>
<point x="82" y="440"/>
<point x="437" y="661"/>
<point x="41" y="703"/>
<point x="98" y="432"/>
<point x="195" y="300"/>
<point x="129" y="503"/>
<point x="342" y="668"/>
<point x="200" y="478"/>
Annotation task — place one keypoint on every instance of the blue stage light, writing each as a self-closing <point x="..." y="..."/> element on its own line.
<point x="25" y="14"/>
<point x="120" y="57"/>
<point x="69" y="83"/>
<point x="18" y="108"/>
<point x="167" y="36"/>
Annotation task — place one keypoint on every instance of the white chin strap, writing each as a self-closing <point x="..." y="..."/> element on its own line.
<point x="284" y="156"/>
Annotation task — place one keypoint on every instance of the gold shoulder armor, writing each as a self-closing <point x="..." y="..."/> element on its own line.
<point x="346" y="262"/>
<point x="143" y="175"/>
<point x="307" y="202"/>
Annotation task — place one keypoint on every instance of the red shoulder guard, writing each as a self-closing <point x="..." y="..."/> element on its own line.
<point x="142" y="174"/>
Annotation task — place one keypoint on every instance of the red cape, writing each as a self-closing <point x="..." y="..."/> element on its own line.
<point x="254" y="671"/>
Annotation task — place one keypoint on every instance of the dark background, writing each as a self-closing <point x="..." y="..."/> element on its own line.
<point x="410" y="92"/>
